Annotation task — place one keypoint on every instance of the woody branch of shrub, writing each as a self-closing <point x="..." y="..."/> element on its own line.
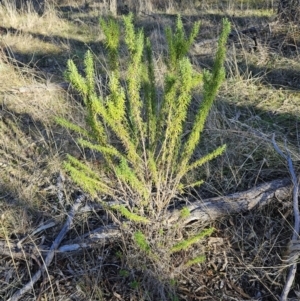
<point x="143" y="136"/>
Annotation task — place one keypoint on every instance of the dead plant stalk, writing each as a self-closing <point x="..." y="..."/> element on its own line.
<point x="295" y="237"/>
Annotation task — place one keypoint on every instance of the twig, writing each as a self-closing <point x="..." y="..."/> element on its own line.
<point x="99" y="235"/>
<point x="17" y="295"/>
<point x="295" y="237"/>
<point x="39" y="229"/>
<point x="60" y="188"/>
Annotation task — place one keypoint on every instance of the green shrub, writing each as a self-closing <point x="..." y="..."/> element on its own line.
<point x="143" y="137"/>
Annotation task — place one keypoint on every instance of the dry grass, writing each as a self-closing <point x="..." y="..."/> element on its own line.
<point x="260" y="97"/>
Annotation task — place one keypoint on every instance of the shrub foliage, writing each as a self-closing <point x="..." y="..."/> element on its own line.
<point x="142" y="133"/>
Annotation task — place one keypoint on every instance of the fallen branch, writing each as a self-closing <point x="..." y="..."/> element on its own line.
<point x="211" y="209"/>
<point x="96" y="237"/>
<point x="27" y="287"/>
<point x="99" y="236"/>
<point x="294" y="254"/>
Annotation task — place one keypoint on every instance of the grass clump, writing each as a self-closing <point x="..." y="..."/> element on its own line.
<point x="143" y="136"/>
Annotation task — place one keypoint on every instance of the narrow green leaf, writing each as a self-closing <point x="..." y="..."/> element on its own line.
<point x="185" y="244"/>
<point x="129" y="215"/>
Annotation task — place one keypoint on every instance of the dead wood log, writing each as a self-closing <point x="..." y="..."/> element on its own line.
<point x="211" y="209"/>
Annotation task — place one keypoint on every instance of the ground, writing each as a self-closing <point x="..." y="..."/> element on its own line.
<point x="260" y="97"/>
